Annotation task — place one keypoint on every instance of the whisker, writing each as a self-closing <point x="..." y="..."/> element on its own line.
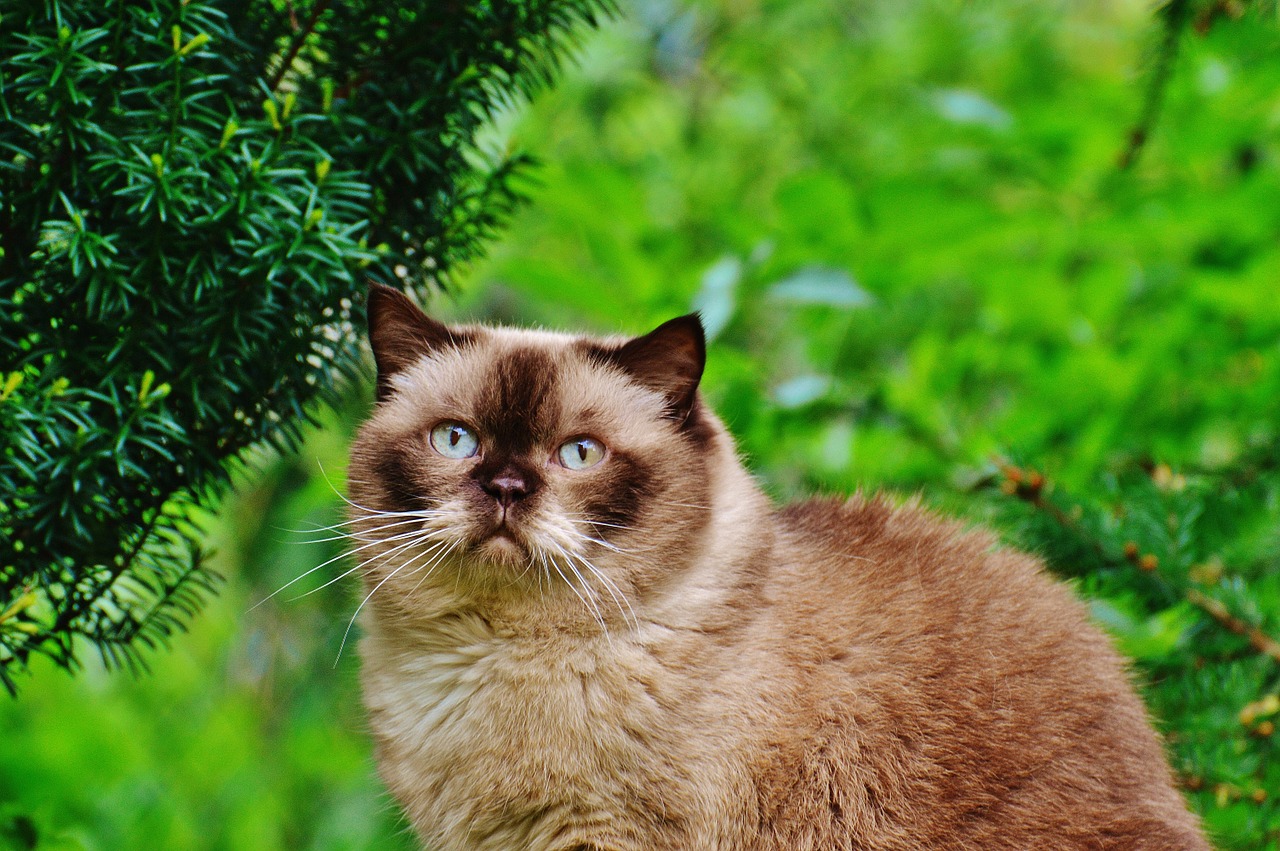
<point x="604" y="544"/>
<point x="609" y="545"/>
<point x="420" y="513"/>
<point x="590" y="605"/>
<point x="415" y="512"/>
<point x="373" y="516"/>
<point x="431" y="566"/>
<point x="410" y="536"/>
<point x="515" y="580"/>
<point x="348" y="501"/>
<point x="307" y="573"/>
<point x="360" y="535"/>
<point x="398" y="536"/>
<point x="338" y="493"/>
<point x="584" y="518"/>
<point x="615" y="592"/>
<point x="351" y="623"/>
<point x="586" y="586"/>
<point x="370" y="561"/>
<point x="579" y="519"/>
<point x="433" y="554"/>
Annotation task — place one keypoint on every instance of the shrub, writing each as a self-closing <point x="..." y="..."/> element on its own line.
<point x="192" y="195"/>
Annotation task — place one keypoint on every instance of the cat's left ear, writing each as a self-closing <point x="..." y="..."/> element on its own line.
<point x="669" y="359"/>
<point x="400" y="334"/>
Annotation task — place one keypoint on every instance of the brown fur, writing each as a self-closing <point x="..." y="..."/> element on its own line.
<point x="830" y="675"/>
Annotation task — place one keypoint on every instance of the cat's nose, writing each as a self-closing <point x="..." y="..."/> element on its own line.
<point x="508" y="487"/>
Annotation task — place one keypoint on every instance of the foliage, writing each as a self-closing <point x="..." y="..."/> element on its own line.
<point x="930" y="265"/>
<point x="246" y="735"/>
<point x="1181" y="568"/>
<point x="192" y="195"/>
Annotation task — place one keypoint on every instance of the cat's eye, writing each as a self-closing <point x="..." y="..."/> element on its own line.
<point x="581" y="453"/>
<point x="454" y="440"/>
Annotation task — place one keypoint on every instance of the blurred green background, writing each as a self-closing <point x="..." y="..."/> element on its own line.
<point x="917" y="255"/>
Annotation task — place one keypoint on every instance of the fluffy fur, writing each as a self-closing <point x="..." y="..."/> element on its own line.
<point x="647" y="655"/>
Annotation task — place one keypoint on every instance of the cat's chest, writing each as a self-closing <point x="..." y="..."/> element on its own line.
<point x="508" y="737"/>
<point x="454" y="690"/>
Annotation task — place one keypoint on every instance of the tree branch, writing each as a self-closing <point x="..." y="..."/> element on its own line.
<point x="1028" y="486"/>
<point x="1258" y="639"/>
<point x="1175" y="15"/>
<point x="299" y="38"/>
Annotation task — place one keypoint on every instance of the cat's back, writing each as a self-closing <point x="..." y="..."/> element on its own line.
<point x="899" y="575"/>
<point x="950" y="694"/>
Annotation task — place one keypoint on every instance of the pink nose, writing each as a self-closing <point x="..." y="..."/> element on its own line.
<point x="508" y="487"/>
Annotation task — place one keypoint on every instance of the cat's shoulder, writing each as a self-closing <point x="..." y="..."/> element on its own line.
<point x="882" y="523"/>
<point x="903" y="549"/>
<point x="892" y="574"/>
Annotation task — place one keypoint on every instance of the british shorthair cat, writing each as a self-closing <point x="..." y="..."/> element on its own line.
<point x="586" y="629"/>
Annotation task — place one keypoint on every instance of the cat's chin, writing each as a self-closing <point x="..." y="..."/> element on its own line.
<point x="503" y="548"/>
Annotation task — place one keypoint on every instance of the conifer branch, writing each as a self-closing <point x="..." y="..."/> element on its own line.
<point x="295" y="45"/>
<point x="161" y="222"/>
<point x="1174" y="18"/>
<point x="1258" y="639"/>
<point x="1030" y="487"/>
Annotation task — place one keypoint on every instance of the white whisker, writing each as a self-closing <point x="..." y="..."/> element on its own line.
<point x="411" y="537"/>
<point x="376" y="556"/>
<point x="450" y="546"/>
<point x="424" y="513"/>
<point x="353" y="504"/>
<point x="351" y="623"/>
<point x="591" y="606"/>
<point x="364" y="535"/>
<point x="605" y="544"/>
<point x="307" y="573"/>
<point x="615" y="592"/>
<point x="576" y="520"/>
<point x="583" y="518"/>
<point x="528" y="565"/>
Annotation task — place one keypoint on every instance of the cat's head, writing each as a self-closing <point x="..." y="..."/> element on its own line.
<point x="502" y="461"/>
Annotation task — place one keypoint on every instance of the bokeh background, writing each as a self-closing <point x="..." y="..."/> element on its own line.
<point x="930" y="259"/>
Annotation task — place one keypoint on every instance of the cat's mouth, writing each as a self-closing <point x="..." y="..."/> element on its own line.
<point x="502" y="541"/>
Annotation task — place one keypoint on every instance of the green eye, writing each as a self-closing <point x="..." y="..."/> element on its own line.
<point x="581" y="453"/>
<point x="454" y="440"/>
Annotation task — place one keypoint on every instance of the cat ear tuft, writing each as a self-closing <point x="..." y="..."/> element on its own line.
<point x="400" y="333"/>
<point x="669" y="359"/>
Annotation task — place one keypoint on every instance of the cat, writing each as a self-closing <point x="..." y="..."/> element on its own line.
<point x="587" y="629"/>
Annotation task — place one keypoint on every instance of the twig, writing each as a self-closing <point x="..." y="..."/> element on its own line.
<point x="299" y="38"/>
<point x="1258" y="639"/>
<point x="79" y="604"/>
<point x="1029" y="486"/>
<point x="1175" y="15"/>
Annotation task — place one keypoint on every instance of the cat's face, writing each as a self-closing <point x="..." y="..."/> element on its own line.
<point x="501" y="461"/>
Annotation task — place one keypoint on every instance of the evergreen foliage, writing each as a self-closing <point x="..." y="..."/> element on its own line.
<point x="1179" y="566"/>
<point x="191" y="196"/>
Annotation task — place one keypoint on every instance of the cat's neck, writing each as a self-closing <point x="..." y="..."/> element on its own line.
<point x="734" y="548"/>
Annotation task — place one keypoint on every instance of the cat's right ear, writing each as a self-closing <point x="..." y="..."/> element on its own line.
<point x="400" y="333"/>
<point x="669" y="359"/>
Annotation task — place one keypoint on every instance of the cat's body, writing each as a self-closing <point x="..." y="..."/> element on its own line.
<point x="642" y="653"/>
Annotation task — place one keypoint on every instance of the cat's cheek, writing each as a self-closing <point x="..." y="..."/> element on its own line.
<point x="400" y="492"/>
<point x="616" y="493"/>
